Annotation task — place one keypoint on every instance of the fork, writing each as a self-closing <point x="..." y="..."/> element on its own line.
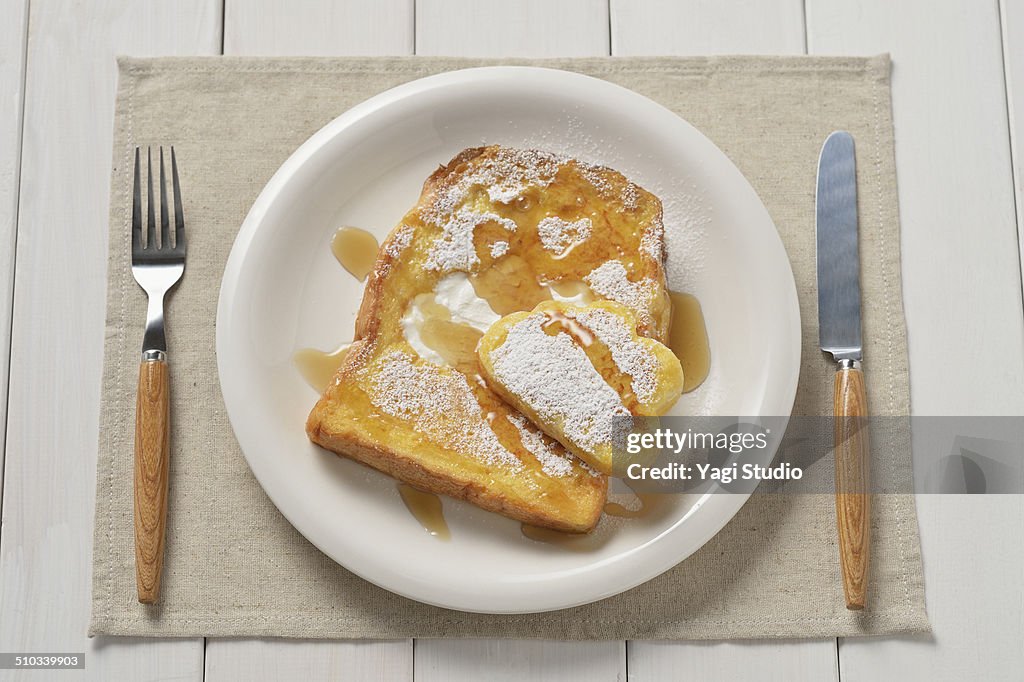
<point x="157" y="265"/>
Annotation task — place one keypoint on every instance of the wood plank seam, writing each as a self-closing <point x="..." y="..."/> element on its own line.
<point x="19" y="128"/>
<point x="610" y="25"/>
<point x="1004" y="41"/>
<point x="223" y="18"/>
<point x="807" y="52"/>
<point x="803" y="18"/>
<point x="223" y="22"/>
<point x="223" y="32"/>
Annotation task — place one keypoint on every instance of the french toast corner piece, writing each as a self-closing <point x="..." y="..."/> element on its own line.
<point x="328" y="402"/>
<point x="582" y="520"/>
<point x="587" y="523"/>
<point x="443" y="171"/>
<point x="313" y="426"/>
<point x="315" y="418"/>
<point x="318" y="431"/>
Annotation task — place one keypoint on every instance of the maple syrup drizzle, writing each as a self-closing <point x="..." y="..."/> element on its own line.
<point x="688" y="339"/>
<point x="559" y="322"/>
<point x="570" y="288"/>
<point x="318" y="367"/>
<point x="509" y="286"/>
<point x="427" y="509"/>
<point x="356" y="251"/>
<point x="454" y="341"/>
<point x="599" y="354"/>
<point x="523" y="203"/>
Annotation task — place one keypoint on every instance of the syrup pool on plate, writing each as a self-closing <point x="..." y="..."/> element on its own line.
<point x="318" y="366"/>
<point x="427" y="509"/>
<point x="356" y="250"/>
<point x="688" y="339"/>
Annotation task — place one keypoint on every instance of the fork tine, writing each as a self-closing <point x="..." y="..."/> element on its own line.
<point x="137" y="206"/>
<point x="179" y="215"/>
<point x="151" y="212"/>
<point x="165" y="230"/>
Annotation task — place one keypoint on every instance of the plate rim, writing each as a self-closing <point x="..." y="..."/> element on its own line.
<point x="727" y="505"/>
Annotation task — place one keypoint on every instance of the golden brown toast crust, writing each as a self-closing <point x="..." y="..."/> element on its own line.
<point x="348" y="421"/>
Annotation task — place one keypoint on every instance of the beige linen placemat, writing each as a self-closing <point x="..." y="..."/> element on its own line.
<point x="234" y="565"/>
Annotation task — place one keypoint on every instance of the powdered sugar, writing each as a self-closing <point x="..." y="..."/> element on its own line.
<point x="631" y="356"/>
<point x="559" y="235"/>
<point x="611" y="281"/>
<point x="653" y="241"/>
<point x="399" y="241"/>
<point x="454" y="249"/>
<point x="554" y="377"/>
<point x="505" y="173"/>
<point x="630" y="196"/>
<point x="499" y="249"/>
<point x="554" y="461"/>
<point x="440" y="404"/>
<point x="594" y="177"/>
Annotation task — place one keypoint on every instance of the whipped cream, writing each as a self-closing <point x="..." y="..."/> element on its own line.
<point x="455" y="292"/>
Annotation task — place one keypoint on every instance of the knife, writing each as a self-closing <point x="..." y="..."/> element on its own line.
<point x="839" y="334"/>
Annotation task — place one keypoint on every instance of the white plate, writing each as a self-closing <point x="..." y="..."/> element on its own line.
<point x="282" y="290"/>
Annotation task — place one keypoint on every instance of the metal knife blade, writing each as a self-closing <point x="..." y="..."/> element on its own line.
<point x="838" y="255"/>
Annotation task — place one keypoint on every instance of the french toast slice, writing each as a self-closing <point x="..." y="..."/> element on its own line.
<point x="572" y="369"/>
<point x="495" y="231"/>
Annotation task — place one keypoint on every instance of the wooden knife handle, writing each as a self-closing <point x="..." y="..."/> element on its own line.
<point x="152" y="438"/>
<point x="853" y="509"/>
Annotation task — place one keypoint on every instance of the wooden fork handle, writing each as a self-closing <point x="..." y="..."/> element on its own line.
<point x="853" y="509"/>
<point x="152" y="438"/>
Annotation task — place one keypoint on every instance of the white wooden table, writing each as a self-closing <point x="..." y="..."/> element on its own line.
<point x="958" y="97"/>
